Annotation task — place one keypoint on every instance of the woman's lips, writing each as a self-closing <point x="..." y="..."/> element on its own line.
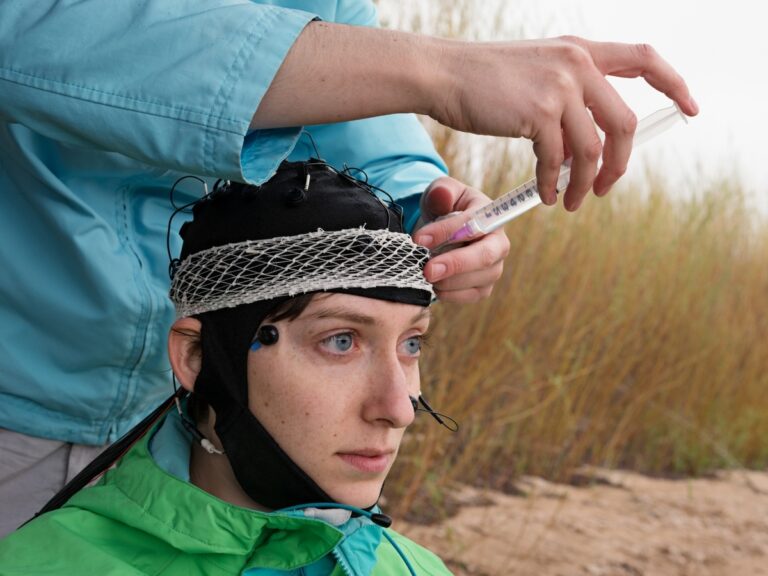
<point x="371" y="462"/>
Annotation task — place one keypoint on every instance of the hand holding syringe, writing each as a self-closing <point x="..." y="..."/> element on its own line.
<point x="526" y="195"/>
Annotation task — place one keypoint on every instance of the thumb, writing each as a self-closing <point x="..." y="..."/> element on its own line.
<point x="440" y="198"/>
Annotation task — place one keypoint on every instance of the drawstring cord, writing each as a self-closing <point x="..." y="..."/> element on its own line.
<point x="376" y="517"/>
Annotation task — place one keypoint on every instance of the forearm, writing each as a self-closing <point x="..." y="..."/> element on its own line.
<point x="336" y="72"/>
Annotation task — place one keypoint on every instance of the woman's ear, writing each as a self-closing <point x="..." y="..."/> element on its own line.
<point x="184" y="351"/>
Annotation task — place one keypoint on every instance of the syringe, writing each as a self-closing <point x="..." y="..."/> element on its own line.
<point x="526" y="196"/>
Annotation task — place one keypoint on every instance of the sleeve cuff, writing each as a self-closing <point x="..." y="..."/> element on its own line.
<point x="254" y="157"/>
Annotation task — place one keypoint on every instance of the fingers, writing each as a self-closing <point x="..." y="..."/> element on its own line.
<point x="581" y="139"/>
<point x="610" y="113"/>
<point x="468" y="296"/>
<point x="585" y="147"/>
<point x="633" y="60"/>
<point x="473" y="265"/>
<point x="575" y="131"/>
<point x="470" y="280"/>
<point x="443" y="197"/>
<point x="548" y="147"/>
<point x="439" y="231"/>
<point x="446" y="195"/>
<point x="466" y="273"/>
<point x="618" y="122"/>
<point x="440" y="197"/>
<point x="476" y="280"/>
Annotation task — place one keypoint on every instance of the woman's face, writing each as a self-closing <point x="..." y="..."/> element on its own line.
<point x="334" y="390"/>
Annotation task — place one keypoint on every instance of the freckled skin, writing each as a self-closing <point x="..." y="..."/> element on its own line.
<point x="350" y="399"/>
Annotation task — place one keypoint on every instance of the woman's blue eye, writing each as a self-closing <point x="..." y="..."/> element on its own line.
<point x="342" y="342"/>
<point x="413" y="345"/>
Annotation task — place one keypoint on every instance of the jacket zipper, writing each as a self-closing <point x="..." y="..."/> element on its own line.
<point x="341" y="561"/>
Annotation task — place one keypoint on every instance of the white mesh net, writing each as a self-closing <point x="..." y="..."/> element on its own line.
<point x="255" y="270"/>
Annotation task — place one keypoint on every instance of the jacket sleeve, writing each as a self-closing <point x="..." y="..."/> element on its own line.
<point x="172" y="83"/>
<point x="395" y="151"/>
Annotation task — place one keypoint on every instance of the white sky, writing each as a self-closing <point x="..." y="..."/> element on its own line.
<point x="720" y="48"/>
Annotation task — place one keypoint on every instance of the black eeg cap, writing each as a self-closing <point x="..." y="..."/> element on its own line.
<point x="283" y="207"/>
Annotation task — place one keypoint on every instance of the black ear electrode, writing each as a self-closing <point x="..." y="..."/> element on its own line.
<point x="265" y="336"/>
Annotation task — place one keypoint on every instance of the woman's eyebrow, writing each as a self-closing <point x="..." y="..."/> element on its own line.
<point x="343" y="314"/>
<point x="358" y="318"/>
<point x="424" y="313"/>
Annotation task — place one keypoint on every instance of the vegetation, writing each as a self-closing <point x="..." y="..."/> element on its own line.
<point x="631" y="333"/>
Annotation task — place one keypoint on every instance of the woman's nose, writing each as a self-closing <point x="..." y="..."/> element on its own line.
<point x="390" y="385"/>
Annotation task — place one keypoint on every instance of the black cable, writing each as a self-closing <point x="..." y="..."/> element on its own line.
<point x="103" y="461"/>
<point x="173" y="263"/>
<point x="439" y="416"/>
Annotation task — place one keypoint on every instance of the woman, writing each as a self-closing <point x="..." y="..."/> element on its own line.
<point x="298" y="404"/>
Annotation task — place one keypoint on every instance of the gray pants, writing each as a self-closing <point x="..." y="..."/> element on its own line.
<point x="32" y="470"/>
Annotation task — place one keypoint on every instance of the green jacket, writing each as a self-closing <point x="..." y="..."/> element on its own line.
<point x="141" y="520"/>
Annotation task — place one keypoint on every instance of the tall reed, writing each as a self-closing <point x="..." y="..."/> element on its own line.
<point x="632" y="333"/>
<point x="629" y="334"/>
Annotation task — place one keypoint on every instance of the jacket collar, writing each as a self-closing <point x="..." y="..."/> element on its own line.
<point x="193" y="521"/>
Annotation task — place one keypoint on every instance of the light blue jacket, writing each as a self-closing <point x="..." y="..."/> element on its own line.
<point x="103" y="105"/>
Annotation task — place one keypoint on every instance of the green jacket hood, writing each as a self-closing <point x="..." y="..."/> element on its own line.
<point x="140" y="520"/>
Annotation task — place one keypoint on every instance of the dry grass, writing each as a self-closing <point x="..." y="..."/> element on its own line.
<point x="629" y="334"/>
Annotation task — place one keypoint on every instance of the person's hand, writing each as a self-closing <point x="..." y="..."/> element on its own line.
<point x="467" y="273"/>
<point x="544" y="90"/>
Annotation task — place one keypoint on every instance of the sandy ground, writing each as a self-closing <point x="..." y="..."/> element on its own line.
<point x="621" y="524"/>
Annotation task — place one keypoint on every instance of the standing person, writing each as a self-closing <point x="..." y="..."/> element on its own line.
<point x="302" y="401"/>
<point x="105" y="105"/>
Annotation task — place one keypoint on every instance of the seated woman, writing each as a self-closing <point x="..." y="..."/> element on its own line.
<point x="301" y="309"/>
